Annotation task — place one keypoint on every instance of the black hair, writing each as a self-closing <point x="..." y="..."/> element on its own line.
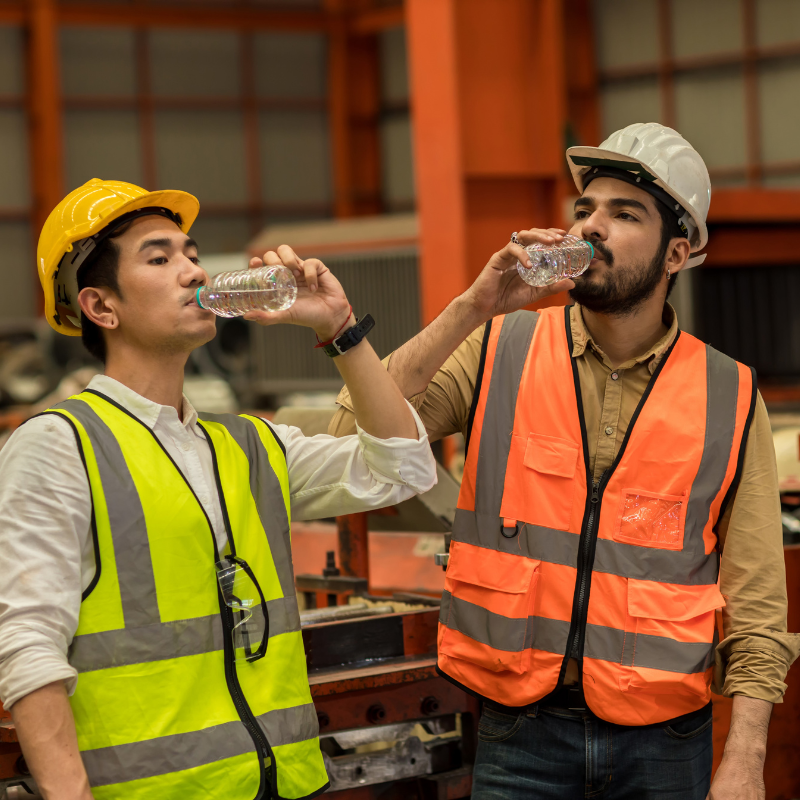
<point x="669" y="230"/>
<point x="101" y="269"/>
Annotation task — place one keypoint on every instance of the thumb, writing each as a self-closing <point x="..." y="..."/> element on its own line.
<point x="562" y="286"/>
<point x="269" y="317"/>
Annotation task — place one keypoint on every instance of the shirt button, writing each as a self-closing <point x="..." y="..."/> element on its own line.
<point x="187" y="446"/>
<point x="614" y="376"/>
<point x="609" y="431"/>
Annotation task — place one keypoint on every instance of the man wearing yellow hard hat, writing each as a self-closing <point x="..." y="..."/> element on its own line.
<point x="150" y="640"/>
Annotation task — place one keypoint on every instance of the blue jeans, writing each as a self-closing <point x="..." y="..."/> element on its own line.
<point x="545" y="753"/>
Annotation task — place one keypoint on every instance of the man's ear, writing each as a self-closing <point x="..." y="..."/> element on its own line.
<point x="99" y="306"/>
<point x="678" y="254"/>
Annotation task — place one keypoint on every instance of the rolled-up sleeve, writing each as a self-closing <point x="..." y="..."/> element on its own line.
<point x="46" y="555"/>
<point x="329" y="476"/>
<point x="757" y="651"/>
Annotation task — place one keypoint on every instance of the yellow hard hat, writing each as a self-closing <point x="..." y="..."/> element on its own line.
<point x="74" y="227"/>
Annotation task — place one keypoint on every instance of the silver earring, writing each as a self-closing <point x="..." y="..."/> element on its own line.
<point x="667" y="273"/>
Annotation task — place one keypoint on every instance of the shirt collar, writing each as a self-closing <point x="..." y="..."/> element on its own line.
<point x="143" y="409"/>
<point x="581" y="339"/>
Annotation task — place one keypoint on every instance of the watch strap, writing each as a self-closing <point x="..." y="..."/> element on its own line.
<point x="350" y="338"/>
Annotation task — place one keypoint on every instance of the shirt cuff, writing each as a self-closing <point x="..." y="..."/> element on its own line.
<point x="31" y="668"/>
<point x="400" y="461"/>
<point x="755" y="664"/>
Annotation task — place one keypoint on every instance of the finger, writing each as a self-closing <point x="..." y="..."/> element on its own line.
<point x="562" y="286"/>
<point x="311" y="268"/>
<point x="289" y="257"/>
<point x="535" y="235"/>
<point x="255" y="262"/>
<point x="272" y="259"/>
<point x="515" y="251"/>
<point x="268" y="317"/>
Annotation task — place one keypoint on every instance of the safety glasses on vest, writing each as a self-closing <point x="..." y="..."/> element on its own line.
<point x="243" y="596"/>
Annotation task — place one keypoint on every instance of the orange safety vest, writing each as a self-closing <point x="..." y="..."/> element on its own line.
<point x="620" y="574"/>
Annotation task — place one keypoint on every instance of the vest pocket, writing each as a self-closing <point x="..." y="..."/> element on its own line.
<point x="488" y="616"/>
<point x="540" y="484"/>
<point x="647" y="519"/>
<point x="670" y="640"/>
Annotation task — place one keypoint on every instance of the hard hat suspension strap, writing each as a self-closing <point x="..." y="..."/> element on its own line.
<point x="85" y="247"/>
<point x="651" y="188"/>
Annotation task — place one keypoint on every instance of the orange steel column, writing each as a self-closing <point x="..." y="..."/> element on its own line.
<point x="437" y="136"/>
<point x="489" y="97"/>
<point x="354" y="545"/>
<point x="44" y="108"/>
<point x="582" y="78"/>
<point x="339" y="113"/>
<point x="354" y="109"/>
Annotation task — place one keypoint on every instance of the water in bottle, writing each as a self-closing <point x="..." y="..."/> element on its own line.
<point x="555" y="262"/>
<point x="232" y="294"/>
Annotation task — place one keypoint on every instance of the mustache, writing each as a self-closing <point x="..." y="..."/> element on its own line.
<point x="608" y="256"/>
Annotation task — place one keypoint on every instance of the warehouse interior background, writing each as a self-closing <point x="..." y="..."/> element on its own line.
<point x="402" y="141"/>
<point x="449" y="120"/>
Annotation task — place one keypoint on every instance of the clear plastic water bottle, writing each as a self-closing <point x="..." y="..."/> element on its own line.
<point x="232" y="294"/>
<point x="554" y="262"/>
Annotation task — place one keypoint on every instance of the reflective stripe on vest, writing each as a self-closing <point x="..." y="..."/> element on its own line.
<point x="156" y="702"/>
<point x="525" y="524"/>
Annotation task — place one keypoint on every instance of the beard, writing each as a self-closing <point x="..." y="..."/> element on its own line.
<point x="621" y="291"/>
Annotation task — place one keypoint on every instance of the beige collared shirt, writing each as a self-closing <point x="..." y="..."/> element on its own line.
<point x="756" y="651"/>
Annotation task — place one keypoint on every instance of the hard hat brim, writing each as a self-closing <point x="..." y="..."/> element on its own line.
<point x="600" y="153"/>
<point x="182" y="203"/>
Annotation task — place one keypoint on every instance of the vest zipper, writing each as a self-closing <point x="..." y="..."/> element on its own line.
<point x="588" y="538"/>
<point x="585" y="562"/>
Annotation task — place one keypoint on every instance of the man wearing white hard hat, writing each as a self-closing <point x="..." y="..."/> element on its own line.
<point x="617" y="547"/>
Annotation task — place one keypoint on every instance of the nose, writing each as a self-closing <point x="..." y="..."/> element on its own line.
<point x="594" y="226"/>
<point x="193" y="274"/>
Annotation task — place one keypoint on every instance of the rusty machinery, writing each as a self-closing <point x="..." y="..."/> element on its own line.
<point x="390" y="726"/>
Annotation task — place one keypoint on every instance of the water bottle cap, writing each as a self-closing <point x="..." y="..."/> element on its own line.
<point x="591" y="246"/>
<point x="197" y="297"/>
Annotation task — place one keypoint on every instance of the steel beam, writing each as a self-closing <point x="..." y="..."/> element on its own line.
<point x="432" y="37"/>
<point x="157" y="15"/>
<point x="44" y="113"/>
<point x="489" y="114"/>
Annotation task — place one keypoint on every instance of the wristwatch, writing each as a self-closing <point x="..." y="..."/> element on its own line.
<point x="350" y="338"/>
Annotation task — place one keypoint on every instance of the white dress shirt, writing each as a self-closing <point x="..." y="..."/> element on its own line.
<point x="46" y="549"/>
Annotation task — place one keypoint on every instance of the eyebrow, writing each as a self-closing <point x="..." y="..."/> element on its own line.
<point x="165" y="242"/>
<point x="615" y="202"/>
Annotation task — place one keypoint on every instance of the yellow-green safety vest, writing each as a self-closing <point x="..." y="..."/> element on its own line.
<point x="161" y="708"/>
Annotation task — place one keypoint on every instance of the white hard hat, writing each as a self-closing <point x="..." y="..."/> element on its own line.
<point x="661" y="161"/>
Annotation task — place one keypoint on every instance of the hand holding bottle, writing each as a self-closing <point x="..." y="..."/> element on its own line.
<point x="321" y="302"/>
<point x="499" y="289"/>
